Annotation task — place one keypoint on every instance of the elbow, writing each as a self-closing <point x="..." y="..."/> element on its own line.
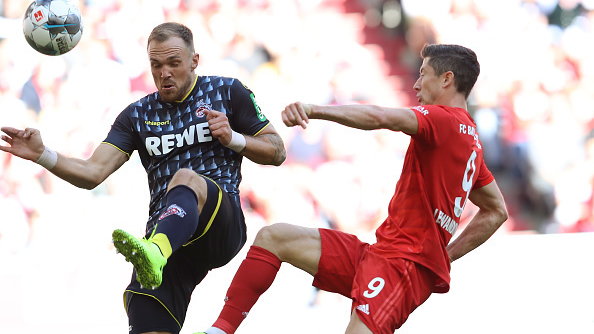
<point x="90" y="183"/>
<point x="280" y="158"/>
<point x="502" y="216"/>
<point x="276" y="161"/>
<point x="92" y="186"/>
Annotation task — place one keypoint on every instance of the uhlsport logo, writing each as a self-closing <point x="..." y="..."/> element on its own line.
<point x="155" y="123"/>
<point x="202" y="107"/>
<point x="173" y="209"/>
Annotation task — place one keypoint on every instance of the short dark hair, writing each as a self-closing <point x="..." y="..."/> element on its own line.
<point x="460" y="60"/>
<point x="166" y="30"/>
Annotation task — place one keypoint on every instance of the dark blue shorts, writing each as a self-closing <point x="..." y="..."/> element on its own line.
<point x="164" y="309"/>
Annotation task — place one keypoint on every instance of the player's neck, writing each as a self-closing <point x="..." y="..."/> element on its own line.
<point x="456" y="101"/>
<point x="190" y="88"/>
<point x="460" y="104"/>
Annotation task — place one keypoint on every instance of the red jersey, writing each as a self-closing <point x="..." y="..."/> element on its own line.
<point x="443" y="163"/>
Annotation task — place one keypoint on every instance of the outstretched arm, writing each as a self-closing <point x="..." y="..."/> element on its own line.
<point x="365" y="117"/>
<point x="27" y="144"/>
<point x="492" y="213"/>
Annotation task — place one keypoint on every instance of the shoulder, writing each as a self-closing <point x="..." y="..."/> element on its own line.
<point x="440" y="112"/>
<point x="427" y="109"/>
<point x="140" y="106"/>
<point x="219" y="83"/>
<point x="217" y="80"/>
<point x="434" y="119"/>
<point x="147" y="99"/>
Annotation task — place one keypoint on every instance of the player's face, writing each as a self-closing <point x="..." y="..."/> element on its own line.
<point x="172" y="66"/>
<point x="428" y="84"/>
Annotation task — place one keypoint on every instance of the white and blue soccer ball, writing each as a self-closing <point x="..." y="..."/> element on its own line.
<point x="52" y="27"/>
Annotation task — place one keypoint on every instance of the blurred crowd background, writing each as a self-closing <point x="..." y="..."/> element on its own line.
<point x="533" y="103"/>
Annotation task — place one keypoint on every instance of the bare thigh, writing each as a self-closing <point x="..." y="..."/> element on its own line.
<point x="356" y="326"/>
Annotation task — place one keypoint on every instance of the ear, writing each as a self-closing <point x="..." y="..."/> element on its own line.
<point x="447" y="79"/>
<point x="195" y="59"/>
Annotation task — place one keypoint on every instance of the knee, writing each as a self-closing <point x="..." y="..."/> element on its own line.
<point x="190" y="178"/>
<point x="270" y="234"/>
<point x="183" y="176"/>
<point x="273" y="237"/>
<point x="186" y="177"/>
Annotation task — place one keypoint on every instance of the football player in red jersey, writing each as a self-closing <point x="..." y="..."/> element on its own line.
<point x="443" y="168"/>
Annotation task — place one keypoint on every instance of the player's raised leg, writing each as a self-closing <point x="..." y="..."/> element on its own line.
<point x="186" y="196"/>
<point x="297" y="245"/>
<point x="274" y="244"/>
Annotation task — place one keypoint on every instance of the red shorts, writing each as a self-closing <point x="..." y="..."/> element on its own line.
<point x="384" y="291"/>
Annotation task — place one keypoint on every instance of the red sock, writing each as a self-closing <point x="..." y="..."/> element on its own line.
<point x="254" y="276"/>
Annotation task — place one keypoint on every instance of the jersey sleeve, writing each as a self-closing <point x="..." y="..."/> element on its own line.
<point x="247" y="117"/>
<point x="121" y="133"/>
<point x="484" y="177"/>
<point x="429" y="119"/>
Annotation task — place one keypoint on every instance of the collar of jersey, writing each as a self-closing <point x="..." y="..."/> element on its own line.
<point x="189" y="90"/>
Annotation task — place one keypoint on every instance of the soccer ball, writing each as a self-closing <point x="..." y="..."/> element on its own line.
<point x="52" y="27"/>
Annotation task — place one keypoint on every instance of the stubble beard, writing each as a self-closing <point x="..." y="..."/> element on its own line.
<point x="185" y="88"/>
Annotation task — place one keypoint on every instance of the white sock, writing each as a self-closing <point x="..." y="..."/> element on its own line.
<point x="214" y="330"/>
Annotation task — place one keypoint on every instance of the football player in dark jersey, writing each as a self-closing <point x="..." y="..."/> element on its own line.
<point x="191" y="135"/>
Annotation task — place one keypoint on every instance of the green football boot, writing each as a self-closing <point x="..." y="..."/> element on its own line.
<point x="144" y="255"/>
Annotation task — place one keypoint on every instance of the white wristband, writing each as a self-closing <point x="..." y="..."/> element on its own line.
<point x="48" y="158"/>
<point x="237" y="142"/>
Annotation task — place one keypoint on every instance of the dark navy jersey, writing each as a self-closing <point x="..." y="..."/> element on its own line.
<point x="170" y="136"/>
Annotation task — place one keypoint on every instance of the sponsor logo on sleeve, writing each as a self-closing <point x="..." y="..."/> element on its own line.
<point x="259" y="113"/>
<point x="420" y="109"/>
